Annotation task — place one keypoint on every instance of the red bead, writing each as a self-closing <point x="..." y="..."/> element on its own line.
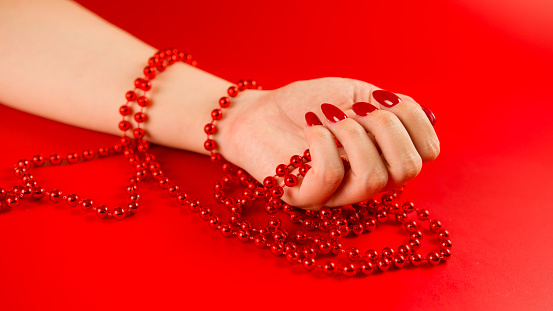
<point x="404" y="250"/>
<point x="399" y="261"/>
<point x="281" y="170"/>
<point x="370" y="224"/>
<point x="87" y="205"/>
<point x="124" y="125"/>
<point x="433" y="258"/>
<point x="277" y="192"/>
<point x="12" y="200"/>
<point x="243" y="235"/>
<point x="132" y="208"/>
<point x="367" y="268"/>
<point x="445" y="254"/>
<point x="336" y="248"/>
<point x="143" y="101"/>
<point x="73" y="158"/>
<point x="442" y="234"/>
<point x="88" y="154"/>
<point x="118" y="213"/>
<point x="26" y="192"/>
<point x="354" y="254"/>
<point x="410" y="225"/>
<point x="182" y="198"/>
<point x="232" y="91"/>
<point x="325" y="247"/>
<point x="137" y="82"/>
<point x="414" y="244"/>
<point x="401" y="217"/>
<point x="102" y="211"/>
<point x="293" y="257"/>
<point x="270" y="208"/>
<point x="140" y="117"/>
<point x="210" y="144"/>
<point x="383" y="264"/>
<point x="125" y="141"/>
<point x="242" y="85"/>
<point x="215" y="222"/>
<point x="415" y="235"/>
<point x="309" y="264"/>
<point x="408" y="207"/>
<point x="224" y="102"/>
<point x="372" y="254"/>
<point x="357" y="229"/>
<point x="422" y="215"/>
<point x="150" y="72"/>
<point x="349" y="270"/>
<point x="38" y="193"/>
<point x="38" y="160"/>
<point x="163" y="182"/>
<point x="388" y="253"/>
<point x="260" y="241"/>
<point x="226" y="231"/>
<point x="296" y="161"/>
<point x="56" y="196"/>
<point x="55" y="159"/>
<point x="435" y="225"/>
<point x="103" y="151"/>
<point x="277" y="248"/>
<point x="329" y="268"/>
<point x="145" y="85"/>
<point x="304" y="168"/>
<point x="445" y="244"/>
<point x="269" y="182"/>
<point x="307" y="155"/>
<point x="210" y="129"/>
<point x="72" y="200"/>
<point x="3" y="193"/>
<point x="290" y="180"/>
<point x="381" y="216"/>
<point x="173" y="190"/>
<point x="131" y="96"/>
<point x="194" y="205"/>
<point x="216" y="114"/>
<point x="415" y="259"/>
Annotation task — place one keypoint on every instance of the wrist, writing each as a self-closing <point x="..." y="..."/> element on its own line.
<point x="236" y="119"/>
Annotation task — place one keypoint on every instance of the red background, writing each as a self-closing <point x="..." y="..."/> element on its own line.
<point x="484" y="68"/>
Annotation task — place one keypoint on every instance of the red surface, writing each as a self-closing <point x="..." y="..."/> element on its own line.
<point x="483" y="68"/>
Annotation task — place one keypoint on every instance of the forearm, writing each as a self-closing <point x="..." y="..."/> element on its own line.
<point x="62" y="62"/>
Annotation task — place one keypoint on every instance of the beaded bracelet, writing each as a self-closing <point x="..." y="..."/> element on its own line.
<point x="299" y="247"/>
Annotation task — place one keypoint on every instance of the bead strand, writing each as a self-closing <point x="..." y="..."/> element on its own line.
<point x="329" y="225"/>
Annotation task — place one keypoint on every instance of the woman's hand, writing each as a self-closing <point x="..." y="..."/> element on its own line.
<point x="385" y="147"/>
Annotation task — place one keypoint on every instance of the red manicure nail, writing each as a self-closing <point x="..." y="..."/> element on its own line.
<point x="333" y="113"/>
<point x="363" y="108"/>
<point x="385" y="98"/>
<point x="312" y="119"/>
<point x="430" y="115"/>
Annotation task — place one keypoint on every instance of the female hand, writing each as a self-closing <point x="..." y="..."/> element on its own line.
<point x="385" y="148"/>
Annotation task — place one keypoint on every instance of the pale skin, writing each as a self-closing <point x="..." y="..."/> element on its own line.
<point x="62" y="62"/>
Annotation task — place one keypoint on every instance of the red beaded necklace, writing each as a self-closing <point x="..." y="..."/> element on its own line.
<point x="299" y="247"/>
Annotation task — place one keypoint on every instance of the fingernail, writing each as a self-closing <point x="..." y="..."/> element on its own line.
<point x="333" y="113"/>
<point x="385" y="98"/>
<point x="363" y="108"/>
<point x="312" y="119"/>
<point x="430" y="115"/>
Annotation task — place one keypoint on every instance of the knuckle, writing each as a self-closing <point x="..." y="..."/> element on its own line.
<point x="376" y="181"/>
<point x="411" y="167"/>
<point x="332" y="176"/>
<point x="431" y="150"/>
